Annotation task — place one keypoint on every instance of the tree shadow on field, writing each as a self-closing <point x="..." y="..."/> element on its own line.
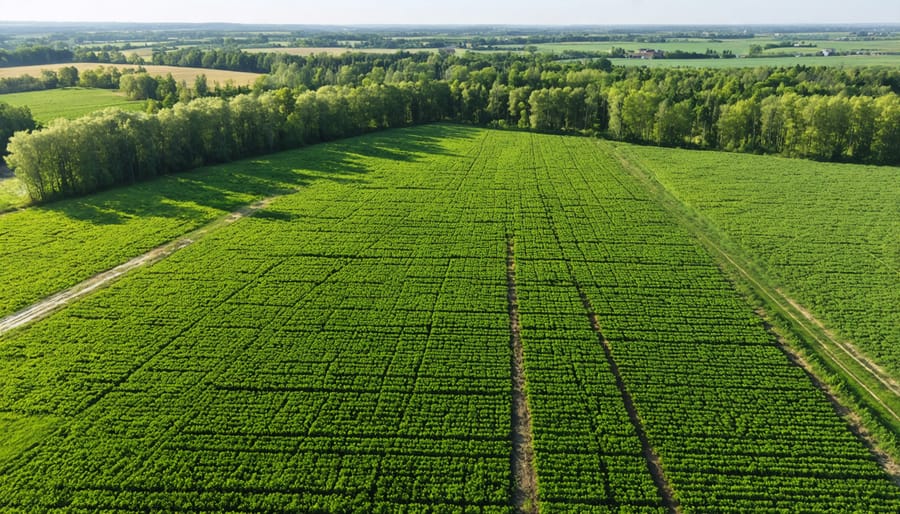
<point x="228" y="187"/>
<point x="274" y="215"/>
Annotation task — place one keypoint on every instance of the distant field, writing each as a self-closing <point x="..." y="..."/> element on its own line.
<point x="736" y="46"/>
<point x="848" y="61"/>
<point x="179" y="73"/>
<point x="70" y="102"/>
<point x="145" y="52"/>
<point x="332" y="50"/>
<point x="741" y="47"/>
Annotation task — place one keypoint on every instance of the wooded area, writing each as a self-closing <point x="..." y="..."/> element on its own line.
<point x="848" y="115"/>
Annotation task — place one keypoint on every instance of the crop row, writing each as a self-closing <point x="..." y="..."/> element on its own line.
<point x="736" y="425"/>
<point x="313" y="356"/>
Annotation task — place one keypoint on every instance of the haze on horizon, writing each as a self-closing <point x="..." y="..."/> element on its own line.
<point x="461" y="12"/>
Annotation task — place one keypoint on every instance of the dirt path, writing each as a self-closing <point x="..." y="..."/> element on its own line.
<point x="822" y="344"/>
<point x="849" y="349"/>
<point x="59" y="300"/>
<point x="525" y="497"/>
<point x="787" y="305"/>
<point x="888" y="464"/>
<point x="654" y="465"/>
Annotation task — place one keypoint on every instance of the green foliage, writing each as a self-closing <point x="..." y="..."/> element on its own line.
<point x="816" y="113"/>
<point x="139" y="86"/>
<point x="112" y="147"/>
<point x="69" y="103"/>
<point x="12" y="120"/>
<point x="825" y="233"/>
<point x="347" y="349"/>
<point x="28" y="55"/>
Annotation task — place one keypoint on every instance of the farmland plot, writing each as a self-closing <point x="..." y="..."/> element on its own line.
<point x="49" y="248"/>
<point x="826" y="234"/>
<point x="348" y="348"/>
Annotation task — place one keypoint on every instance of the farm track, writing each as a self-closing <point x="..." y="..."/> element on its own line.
<point x="788" y="306"/>
<point x="846" y="348"/>
<point x="849" y="349"/>
<point x="654" y="464"/>
<point x="59" y="300"/>
<point x="524" y="494"/>
<point x="855" y="424"/>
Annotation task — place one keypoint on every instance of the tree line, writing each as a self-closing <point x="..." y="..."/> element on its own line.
<point x="12" y="120"/>
<point x="834" y="114"/>
<point x="34" y="55"/>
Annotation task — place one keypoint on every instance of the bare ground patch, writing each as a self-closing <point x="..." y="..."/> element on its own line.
<point x="524" y="493"/>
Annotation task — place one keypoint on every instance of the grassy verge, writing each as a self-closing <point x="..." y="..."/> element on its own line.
<point x="12" y="194"/>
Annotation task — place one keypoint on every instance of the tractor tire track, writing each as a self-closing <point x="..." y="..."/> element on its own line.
<point x="524" y="485"/>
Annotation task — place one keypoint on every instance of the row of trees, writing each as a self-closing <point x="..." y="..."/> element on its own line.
<point x="828" y="128"/>
<point x="136" y="83"/>
<point x="112" y="147"/>
<point x="32" y="55"/>
<point x="820" y="113"/>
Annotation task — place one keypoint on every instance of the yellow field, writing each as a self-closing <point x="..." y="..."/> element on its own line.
<point x="179" y="73"/>
<point x="145" y="52"/>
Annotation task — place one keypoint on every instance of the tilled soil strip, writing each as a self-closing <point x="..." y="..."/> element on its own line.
<point x="525" y="498"/>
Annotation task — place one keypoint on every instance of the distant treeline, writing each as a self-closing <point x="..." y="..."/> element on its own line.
<point x="835" y="114"/>
<point x="34" y="55"/>
<point x="113" y="147"/>
<point x="135" y="82"/>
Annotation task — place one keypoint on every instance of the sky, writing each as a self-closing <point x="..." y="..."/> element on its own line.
<point x="434" y="12"/>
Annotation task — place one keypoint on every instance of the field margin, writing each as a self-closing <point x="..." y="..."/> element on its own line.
<point x="61" y="299"/>
<point x="859" y="397"/>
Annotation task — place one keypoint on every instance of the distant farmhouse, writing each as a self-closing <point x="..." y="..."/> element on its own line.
<point x="646" y="53"/>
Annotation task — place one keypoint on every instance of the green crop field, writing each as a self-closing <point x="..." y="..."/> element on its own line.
<point x="69" y="102"/>
<point x="349" y="348"/>
<point x="887" y="52"/>
<point x="827" y="234"/>
<point x="846" y="61"/>
<point x="52" y="247"/>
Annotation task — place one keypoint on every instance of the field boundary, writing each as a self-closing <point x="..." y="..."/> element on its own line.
<point x="654" y="463"/>
<point x="525" y="491"/>
<point x="856" y="425"/>
<point x="57" y="301"/>
<point x="867" y="386"/>
<point x="773" y="297"/>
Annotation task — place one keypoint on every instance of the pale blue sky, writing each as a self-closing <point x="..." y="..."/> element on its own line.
<point x="531" y="12"/>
